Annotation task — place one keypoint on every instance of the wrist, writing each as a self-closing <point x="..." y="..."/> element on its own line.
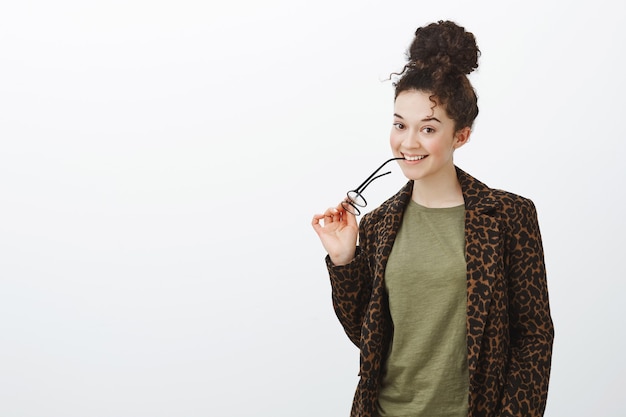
<point x="341" y="260"/>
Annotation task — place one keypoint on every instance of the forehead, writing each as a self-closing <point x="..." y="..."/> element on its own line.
<point x="417" y="105"/>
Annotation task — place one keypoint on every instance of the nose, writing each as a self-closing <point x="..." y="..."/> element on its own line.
<point x="411" y="139"/>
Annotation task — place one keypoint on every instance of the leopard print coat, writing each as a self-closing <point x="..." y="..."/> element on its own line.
<point x="509" y="327"/>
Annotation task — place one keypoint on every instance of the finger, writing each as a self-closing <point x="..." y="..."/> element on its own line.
<point x="350" y="218"/>
<point x="318" y="217"/>
<point x="329" y="211"/>
<point x="315" y="222"/>
<point x="327" y="216"/>
<point x="317" y="225"/>
<point x="345" y="214"/>
<point x="337" y="214"/>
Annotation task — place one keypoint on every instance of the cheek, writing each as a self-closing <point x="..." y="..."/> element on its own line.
<point x="441" y="146"/>
<point x="394" y="139"/>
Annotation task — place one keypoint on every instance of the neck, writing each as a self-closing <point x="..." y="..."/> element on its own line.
<point x="438" y="192"/>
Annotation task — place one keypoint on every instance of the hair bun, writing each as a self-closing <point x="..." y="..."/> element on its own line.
<point x="444" y="47"/>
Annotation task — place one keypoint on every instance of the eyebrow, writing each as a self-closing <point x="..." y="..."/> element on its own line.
<point x="426" y="119"/>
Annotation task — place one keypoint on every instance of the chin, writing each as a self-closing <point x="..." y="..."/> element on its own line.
<point x="414" y="174"/>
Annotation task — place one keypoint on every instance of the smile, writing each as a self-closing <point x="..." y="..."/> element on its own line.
<point x="414" y="158"/>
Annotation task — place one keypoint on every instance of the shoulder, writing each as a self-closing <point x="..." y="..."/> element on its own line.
<point x="510" y="200"/>
<point x="517" y="212"/>
<point x="478" y="194"/>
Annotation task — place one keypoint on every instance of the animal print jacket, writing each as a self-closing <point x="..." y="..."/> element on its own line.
<point x="509" y="327"/>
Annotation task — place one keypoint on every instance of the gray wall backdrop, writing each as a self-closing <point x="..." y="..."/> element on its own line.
<point x="160" y="162"/>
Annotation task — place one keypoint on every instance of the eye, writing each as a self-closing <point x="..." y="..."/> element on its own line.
<point x="398" y="125"/>
<point x="428" y="130"/>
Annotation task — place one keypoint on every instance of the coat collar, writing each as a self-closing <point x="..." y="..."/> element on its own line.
<point x="478" y="197"/>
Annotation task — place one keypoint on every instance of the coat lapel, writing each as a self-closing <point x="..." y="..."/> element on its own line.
<point x="482" y="239"/>
<point x="389" y="217"/>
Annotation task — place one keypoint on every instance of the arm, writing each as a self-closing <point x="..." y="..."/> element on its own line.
<point x="531" y="328"/>
<point x="347" y="267"/>
<point x="350" y="293"/>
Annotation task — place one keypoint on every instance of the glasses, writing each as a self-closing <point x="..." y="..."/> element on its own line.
<point x="355" y="197"/>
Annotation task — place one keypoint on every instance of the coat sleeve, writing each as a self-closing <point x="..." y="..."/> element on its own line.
<point x="351" y="287"/>
<point x="531" y="328"/>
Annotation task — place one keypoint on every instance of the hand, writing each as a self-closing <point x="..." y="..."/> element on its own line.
<point x="338" y="233"/>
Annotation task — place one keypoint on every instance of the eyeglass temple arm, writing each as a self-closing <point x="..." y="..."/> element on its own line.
<point x="371" y="178"/>
<point x="364" y="186"/>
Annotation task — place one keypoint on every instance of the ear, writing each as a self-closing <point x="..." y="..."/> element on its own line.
<point x="461" y="137"/>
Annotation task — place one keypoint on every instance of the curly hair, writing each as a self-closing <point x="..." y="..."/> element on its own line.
<point x="440" y="56"/>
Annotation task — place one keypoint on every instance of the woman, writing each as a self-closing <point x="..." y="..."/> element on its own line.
<point x="445" y="294"/>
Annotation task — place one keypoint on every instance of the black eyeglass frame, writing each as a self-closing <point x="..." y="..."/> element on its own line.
<point x="355" y="197"/>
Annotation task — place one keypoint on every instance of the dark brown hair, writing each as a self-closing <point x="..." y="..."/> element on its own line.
<point x="440" y="56"/>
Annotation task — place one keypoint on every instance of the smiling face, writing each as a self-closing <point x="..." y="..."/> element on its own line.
<point x="425" y="137"/>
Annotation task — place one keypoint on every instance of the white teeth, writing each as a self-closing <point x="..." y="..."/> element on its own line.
<point x="414" y="158"/>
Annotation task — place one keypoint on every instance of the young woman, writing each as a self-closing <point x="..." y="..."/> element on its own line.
<point x="445" y="294"/>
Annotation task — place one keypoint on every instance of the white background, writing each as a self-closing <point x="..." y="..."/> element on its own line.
<point x="160" y="163"/>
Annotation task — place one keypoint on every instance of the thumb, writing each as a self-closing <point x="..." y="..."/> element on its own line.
<point x="351" y="219"/>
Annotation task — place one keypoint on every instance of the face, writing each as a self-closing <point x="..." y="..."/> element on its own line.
<point x="425" y="136"/>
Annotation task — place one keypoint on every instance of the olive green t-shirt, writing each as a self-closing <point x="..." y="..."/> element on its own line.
<point x="426" y="371"/>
